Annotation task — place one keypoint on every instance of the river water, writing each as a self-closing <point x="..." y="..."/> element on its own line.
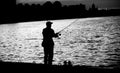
<point x="87" y="41"/>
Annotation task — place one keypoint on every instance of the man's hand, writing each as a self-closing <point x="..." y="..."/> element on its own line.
<point x="58" y="34"/>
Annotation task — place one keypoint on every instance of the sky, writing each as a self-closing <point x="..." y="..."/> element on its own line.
<point x="98" y="3"/>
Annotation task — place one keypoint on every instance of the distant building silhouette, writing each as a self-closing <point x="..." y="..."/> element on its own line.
<point x="93" y="8"/>
<point x="11" y="11"/>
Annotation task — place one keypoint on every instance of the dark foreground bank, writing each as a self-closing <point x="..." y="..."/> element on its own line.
<point x="40" y="68"/>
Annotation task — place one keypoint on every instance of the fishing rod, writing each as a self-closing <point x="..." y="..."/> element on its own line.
<point x="57" y="32"/>
<point x="67" y="26"/>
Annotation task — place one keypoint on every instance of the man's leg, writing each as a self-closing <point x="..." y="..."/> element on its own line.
<point x="51" y="55"/>
<point x="45" y="55"/>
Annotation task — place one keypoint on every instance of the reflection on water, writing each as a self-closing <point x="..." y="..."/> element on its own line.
<point x="86" y="42"/>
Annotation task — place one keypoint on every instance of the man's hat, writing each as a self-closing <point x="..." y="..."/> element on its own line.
<point x="49" y="22"/>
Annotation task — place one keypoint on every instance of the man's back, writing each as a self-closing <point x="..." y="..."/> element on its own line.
<point x="48" y="34"/>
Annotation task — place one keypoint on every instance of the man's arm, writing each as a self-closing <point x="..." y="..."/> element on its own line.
<point x="56" y="34"/>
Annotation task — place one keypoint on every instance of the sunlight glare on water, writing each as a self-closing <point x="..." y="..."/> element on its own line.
<point x="88" y="41"/>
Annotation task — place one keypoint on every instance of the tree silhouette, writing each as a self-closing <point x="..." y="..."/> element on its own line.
<point x="10" y="12"/>
<point x="57" y="4"/>
<point x="48" y="4"/>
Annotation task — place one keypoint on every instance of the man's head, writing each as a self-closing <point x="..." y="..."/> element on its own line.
<point x="48" y="24"/>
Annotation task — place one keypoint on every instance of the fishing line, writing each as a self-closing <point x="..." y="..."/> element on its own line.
<point x="57" y="32"/>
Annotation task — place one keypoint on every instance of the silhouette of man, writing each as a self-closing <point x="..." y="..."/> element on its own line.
<point x="48" y="43"/>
